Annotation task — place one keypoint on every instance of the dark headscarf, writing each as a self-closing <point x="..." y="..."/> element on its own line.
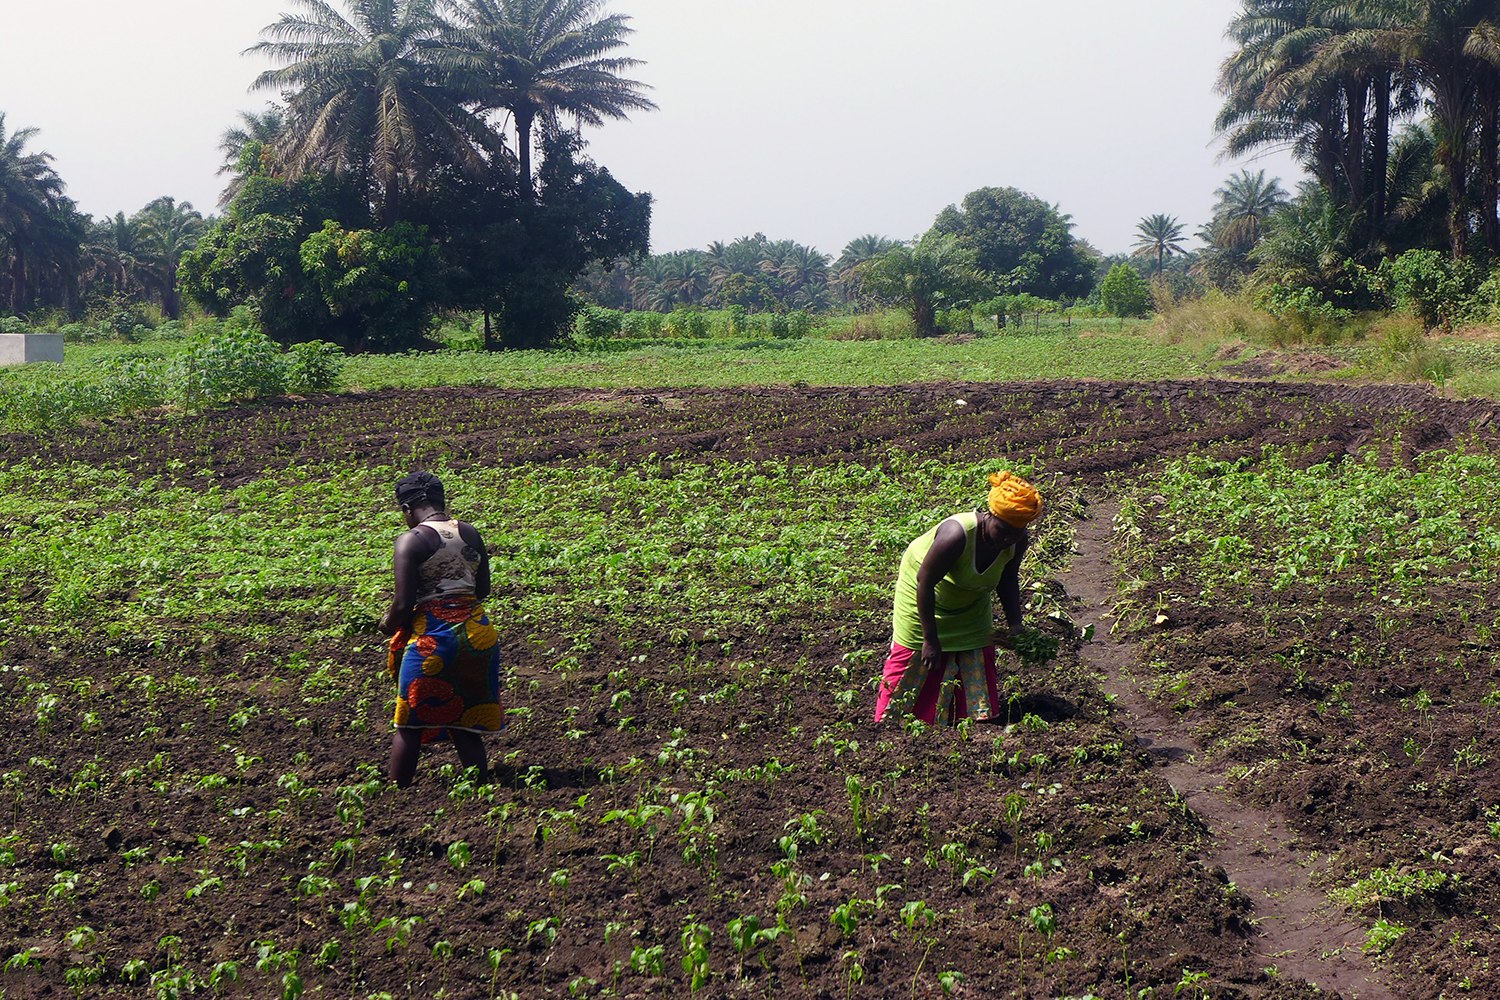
<point x="420" y="488"/>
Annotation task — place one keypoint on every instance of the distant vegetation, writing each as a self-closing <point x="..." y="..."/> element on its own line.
<point x="435" y="226"/>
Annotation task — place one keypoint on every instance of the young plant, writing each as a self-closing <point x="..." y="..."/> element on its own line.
<point x="859" y="795"/>
<point x="854" y="971"/>
<point x="747" y="936"/>
<point x="695" y="940"/>
<point x="650" y="961"/>
<point x="1015" y="807"/>
<point x="919" y="917"/>
<point x="443" y="952"/>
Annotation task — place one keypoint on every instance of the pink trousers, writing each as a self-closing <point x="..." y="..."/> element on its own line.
<point x="974" y="692"/>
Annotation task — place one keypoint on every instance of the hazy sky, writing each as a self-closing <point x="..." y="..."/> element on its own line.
<point x="814" y="120"/>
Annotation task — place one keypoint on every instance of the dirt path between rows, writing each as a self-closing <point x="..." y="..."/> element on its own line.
<point x="1301" y="935"/>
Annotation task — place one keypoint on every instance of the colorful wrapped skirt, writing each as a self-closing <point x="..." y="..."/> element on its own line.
<point x="447" y="670"/>
<point x="964" y="686"/>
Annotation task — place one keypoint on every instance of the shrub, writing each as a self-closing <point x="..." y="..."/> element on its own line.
<point x="77" y="333"/>
<point x="237" y="364"/>
<point x="686" y="323"/>
<point x="642" y="325"/>
<point x="956" y="320"/>
<point x="596" y="323"/>
<point x="1433" y="285"/>
<point x="885" y="325"/>
<point x="131" y="383"/>
<point x="1216" y="317"/>
<point x="778" y="326"/>
<point x="314" y="366"/>
<point x="1125" y="292"/>
<point x="1306" y="312"/>
<point x="124" y="321"/>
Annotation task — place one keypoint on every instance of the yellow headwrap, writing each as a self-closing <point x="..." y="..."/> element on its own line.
<point x="1014" y="500"/>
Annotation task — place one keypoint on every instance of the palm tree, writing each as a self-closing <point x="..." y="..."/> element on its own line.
<point x="1449" y="47"/>
<point x="168" y="230"/>
<point x="544" y="58"/>
<point x="685" y="276"/>
<point x="1308" y="242"/>
<point x="263" y="129"/>
<point x="856" y="252"/>
<point x="1161" y="235"/>
<point x="924" y="276"/>
<point x="861" y="249"/>
<point x="1274" y="38"/>
<point x="377" y="94"/>
<point x="1245" y="202"/>
<point x="1284" y="90"/>
<point x="118" y="255"/>
<point x="31" y="201"/>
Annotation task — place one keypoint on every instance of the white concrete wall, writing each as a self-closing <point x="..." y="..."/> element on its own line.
<point x="26" y="348"/>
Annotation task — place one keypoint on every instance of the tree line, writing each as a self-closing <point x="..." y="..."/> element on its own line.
<point x="996" y="242"/>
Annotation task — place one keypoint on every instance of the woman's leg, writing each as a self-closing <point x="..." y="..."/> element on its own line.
<point x="406" y="746"/>
<point x="470" y="747"/>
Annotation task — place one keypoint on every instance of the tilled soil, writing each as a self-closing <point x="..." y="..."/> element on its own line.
<point x="1297" y="929"/>
<point x="198" y="803"/>
<point x="1083" y="429"/>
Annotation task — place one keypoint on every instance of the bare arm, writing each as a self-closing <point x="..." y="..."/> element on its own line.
<point x="412" y="549"/>
<point x="1009" y="587"/>
<point x="947" y="546"/>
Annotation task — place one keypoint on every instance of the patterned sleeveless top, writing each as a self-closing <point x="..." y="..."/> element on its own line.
<point x="450" y="571"/>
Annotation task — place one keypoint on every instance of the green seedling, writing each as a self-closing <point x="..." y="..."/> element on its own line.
<point x="646" y="961"/>
<point x="695" y="941"/>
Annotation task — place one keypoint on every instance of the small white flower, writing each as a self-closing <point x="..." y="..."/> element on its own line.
<point x="963" y="402"/>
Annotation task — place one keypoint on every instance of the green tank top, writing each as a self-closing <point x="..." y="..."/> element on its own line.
<point x="965" y="611"/>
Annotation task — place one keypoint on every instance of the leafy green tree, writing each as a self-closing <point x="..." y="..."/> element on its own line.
<point x="385" y="280"/>
<point x="1160" y="235"/>
<point x="253" y="255"/>
<point x="377" y="95"/>
<point x="515" y="259"/>
<point x="544" y="58"/>
<point x="1020" y="240"/>
<point x="936" y="272"/>
<point x="1124" y="292"/>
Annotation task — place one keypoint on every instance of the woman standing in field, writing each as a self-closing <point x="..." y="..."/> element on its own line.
<point x="444" y="654"/>
<point x="944" y="615"/>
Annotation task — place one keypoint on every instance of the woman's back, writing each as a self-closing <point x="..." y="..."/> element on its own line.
<point x="450" y="571"/>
